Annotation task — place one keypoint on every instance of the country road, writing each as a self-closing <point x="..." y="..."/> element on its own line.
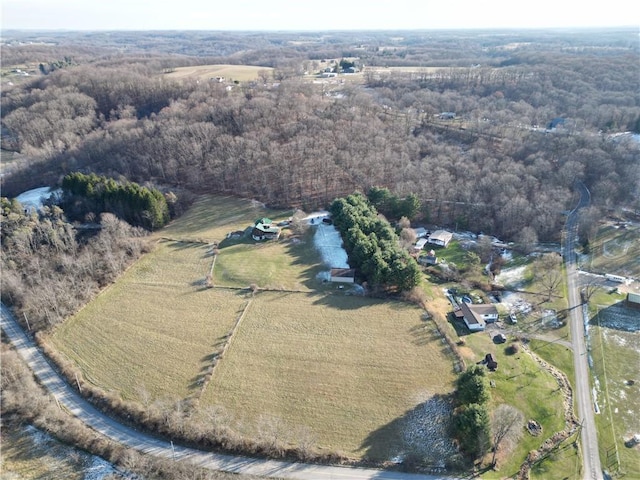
<point x="107" y="426"/>
<point x="591" y="466"/>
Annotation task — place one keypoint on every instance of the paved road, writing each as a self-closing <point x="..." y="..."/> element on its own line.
<point x="76" y="405"/>
<point x="591" y="467"/>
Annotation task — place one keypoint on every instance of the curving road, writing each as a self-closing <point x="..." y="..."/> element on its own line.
<point x="76" y="405"/>
<point x="591" y="467"/>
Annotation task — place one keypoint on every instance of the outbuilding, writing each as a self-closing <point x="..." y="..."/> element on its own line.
<point x="633" y="300"/>
<point x="342" y="275"/>
<point x="440" y="238"/>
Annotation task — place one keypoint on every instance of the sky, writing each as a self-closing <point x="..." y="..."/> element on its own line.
<point x="314" y="15"/>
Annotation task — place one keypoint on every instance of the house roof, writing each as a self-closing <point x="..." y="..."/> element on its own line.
<point x="264" y="221"/>
<point x="343" y="272"/>
<point x="473" y="313"/>
<point x="267" y="228"/>
<point x="483" y="309"/>
<point x="441" y="235"/>
<point x="421" y="243"/>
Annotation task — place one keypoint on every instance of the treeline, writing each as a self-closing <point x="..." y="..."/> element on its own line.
<point x="136" y="205"/>
<point x="49" y="272"/>
<point x="295" y="145"/>
<point x="372" y="246"/>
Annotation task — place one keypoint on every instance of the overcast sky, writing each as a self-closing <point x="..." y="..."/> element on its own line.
<point x="314" y="15"/>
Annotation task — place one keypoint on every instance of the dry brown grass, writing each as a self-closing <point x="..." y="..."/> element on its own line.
<point x="154" y="328"/>
<point x="242" y="73"/>
<point x="345" y="368"/>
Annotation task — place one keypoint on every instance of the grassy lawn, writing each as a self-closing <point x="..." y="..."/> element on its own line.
<point x="344" y="368"/>
<point x="520" y="382"/>
<point x="616" y="356"/>
<point x="211" y="218"/>
<point x="275" y="265"/>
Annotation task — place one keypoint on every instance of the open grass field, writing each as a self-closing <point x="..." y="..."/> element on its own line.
<point x="241" y="73"/>
<point x="346" y="369"/>
<point x="615" y="338"/>
<point x="616" y="251"/>
<point x="210" y="218"/>
<point x="343" y="370"/>
<point x="153" y="329"/>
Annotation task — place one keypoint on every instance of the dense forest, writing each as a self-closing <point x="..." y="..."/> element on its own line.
<point x="528" y="114"/>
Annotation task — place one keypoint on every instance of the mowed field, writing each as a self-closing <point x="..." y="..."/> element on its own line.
<point x="242" y="73"/>
<point x="616" y="356"/>
<point x="154" y="328"/>
<point x="616" y="251"/>
<point x="343" y="370"/>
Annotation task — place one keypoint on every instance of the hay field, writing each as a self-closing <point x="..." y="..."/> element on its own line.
<point x="345" y="369"/>
<point x="154" y="328"/>
<point x="241" y="73"/>
<point x="616" y="251"/>
<point x="616" y="356"/>
<point x="340" y="371"/>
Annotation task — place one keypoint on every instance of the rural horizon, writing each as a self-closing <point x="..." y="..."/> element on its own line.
<point x="412" y="251"/>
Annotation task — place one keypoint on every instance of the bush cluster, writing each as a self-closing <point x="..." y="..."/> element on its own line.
<point x="471" y="421"/>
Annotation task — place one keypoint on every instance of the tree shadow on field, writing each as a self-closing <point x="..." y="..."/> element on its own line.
<point x="618" y="316"/>
<point x="424" y="333"/>
<point x="419" y="437"/>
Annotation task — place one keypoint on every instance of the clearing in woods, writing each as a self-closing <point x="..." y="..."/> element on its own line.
<point x="336" y="372"/>
<point x="242" y="73"/>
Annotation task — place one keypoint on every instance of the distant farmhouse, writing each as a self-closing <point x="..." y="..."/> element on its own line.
<point x="265" y="230"/>
<point x="476" y="317"/>
<point x="440" y="237"/>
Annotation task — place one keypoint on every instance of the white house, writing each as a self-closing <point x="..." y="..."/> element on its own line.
<point x="441" y="238"/>
<point x="476" y="317"/>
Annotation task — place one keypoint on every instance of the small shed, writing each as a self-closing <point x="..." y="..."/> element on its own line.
<point x="342" y="275"/>
<point x="421" y="232"/>
<point x="491" y="363"/>
<point x="633" y="300"/>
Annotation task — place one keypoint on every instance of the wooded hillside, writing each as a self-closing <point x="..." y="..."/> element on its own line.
<point x="532" y="115"/>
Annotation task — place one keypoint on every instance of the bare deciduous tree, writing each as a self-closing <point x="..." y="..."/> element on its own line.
<point x="549" y="274"/>
<point x="506" y="428"/>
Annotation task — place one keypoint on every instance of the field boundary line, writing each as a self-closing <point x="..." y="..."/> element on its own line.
<point x="227" y="344"/>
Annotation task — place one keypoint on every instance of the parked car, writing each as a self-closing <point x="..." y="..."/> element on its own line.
<point x="499" y="338"/>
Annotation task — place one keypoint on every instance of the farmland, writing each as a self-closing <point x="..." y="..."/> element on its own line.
<point x="616" y="250"/>
<point x="616" y="356"/>
<point x="241" y="73"/>
<point x="151" y="335"/>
